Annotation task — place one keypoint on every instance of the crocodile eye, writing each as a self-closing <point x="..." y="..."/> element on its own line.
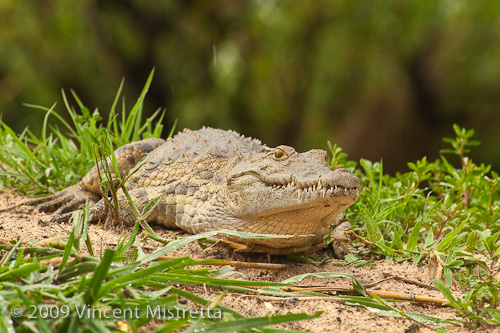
<point x="278" y="154"/>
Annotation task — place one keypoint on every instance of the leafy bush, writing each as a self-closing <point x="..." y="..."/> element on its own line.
<point x="440" y="215"/>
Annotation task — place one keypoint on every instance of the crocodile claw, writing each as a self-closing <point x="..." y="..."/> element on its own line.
<point x="63" y="203"/>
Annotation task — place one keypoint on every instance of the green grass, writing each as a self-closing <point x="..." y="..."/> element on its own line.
<point x="64" y="153"/>
<point x="118" y="281"/>
<point x="435" y="214"/>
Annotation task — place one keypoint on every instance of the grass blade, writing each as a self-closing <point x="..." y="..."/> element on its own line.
<point x="413" y="239"/>
<point x="94" y="287"/>
<point x="447" y="240"/>
<point x="250" y="323"/>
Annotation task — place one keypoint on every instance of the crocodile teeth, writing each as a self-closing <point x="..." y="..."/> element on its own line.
<point x="314" y="187"/>
<point x="289" y="184"/>
<point x="324" y="191"/>
<point x="299" y="193"/>
<point x="292" y="183"/>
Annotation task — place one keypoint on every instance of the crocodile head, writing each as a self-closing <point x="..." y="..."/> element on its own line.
<point x="280" y="191"/>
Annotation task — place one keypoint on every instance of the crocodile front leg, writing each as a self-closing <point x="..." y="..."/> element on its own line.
<point x="74" y="197"/>
<point x="339" y="238"/>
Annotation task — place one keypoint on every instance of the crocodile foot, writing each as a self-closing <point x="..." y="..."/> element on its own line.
<point x="64" y="202"/>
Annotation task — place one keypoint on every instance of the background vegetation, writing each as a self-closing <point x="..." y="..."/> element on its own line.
<point x="383" y="79"/>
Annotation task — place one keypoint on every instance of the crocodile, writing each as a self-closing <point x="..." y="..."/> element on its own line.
<point x="212" y="179"/>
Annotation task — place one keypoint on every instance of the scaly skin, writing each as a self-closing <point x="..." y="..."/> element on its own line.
<point x="212" y="179"/>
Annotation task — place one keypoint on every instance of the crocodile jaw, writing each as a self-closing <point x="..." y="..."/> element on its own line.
<point x="293" y="207"/>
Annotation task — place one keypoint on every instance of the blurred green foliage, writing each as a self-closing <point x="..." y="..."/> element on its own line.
<point x="380" y="78"/>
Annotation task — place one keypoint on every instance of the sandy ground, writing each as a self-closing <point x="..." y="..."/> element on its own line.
<point x="337" y="317"/>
